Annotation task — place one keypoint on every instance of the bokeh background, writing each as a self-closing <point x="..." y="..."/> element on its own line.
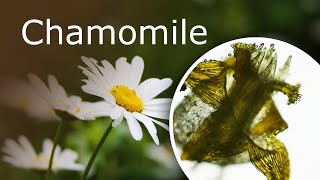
<point x="294" y="21"/>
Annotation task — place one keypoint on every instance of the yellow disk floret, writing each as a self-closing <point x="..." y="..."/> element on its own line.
<point x="127" y="98"/>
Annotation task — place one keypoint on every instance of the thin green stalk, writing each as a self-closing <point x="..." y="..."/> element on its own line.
<point x="56" y="138"/>
<point x="96" y="151"/>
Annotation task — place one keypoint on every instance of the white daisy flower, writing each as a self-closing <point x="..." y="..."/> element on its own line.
<point x="127" y="98"/>
<point x="19" y="94"/>
<point x="57" y="98"/>
<point x="21" y="154"/>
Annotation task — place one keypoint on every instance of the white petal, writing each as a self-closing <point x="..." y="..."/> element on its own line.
<point x="13" y="149"/>
<point x="116" y="112"/>
<point x="19" y="94"/>
<point x="106" y="77"/>
<point x="158" y="101"/>
<point x="26" y="146"/>
<point x="109" y="98"/>
<point x="47" y="146"/>
<point x="165" y="126"/>
<point x="156" y="114"/>
<point x="69" y="155"/>
<point x="13" y="161"/>
<point x="97" y="79"/>
<point x="69" y="166"/>
<point x="56" y="152"/>
<point x="160" y="104"/>
<point x="122" y="71"/>
<point x="117" y="121"/>
<point x="20" y="163"/>
<point x="149" y="125"/>
<point x="97" y="74"/>
<point x="74" y="100"/>
<point x="137" y="66"/>
<point x="57" y="90"/>
<point x="90" y="63"/>
<point x="92" y="66"/>
<point x="90" y="111"/>
<point x="152" y="87"/>
<point x="108" y="72"/>
<point x="19" y="155"/>
<point x="95" y="90"/>
<point x="40" y="87"/>
<point x="108" y="67"/>
<point x="146" y="121"/>
<point x="134" y="126"/>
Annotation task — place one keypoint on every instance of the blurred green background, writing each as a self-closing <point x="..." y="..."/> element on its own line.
<point x="294" y="21"/>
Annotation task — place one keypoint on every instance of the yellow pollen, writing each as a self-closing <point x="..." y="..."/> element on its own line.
<point x="127" y="98"/>
<point x="51" y="110"/>
<point x="40" y="159"/>
<point x="77" y="110"/>
<point x="37" y="158"/>
<point x="60" y="101"/>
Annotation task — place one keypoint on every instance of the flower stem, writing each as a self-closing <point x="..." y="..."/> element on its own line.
<point x="56" y="138"/>
<point x="96" y="151"/>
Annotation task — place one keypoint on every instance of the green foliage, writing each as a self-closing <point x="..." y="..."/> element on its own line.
<point x="120" y="157"/>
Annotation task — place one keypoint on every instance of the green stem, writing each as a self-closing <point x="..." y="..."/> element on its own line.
<point x="56" y="138"/>
<point x="96" y="151"/>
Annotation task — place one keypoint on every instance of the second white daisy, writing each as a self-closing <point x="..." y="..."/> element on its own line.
<point x="19" y="94"/>
<point x="66" y="106"/>
<point x="127" y="98"/>
<point x="21" y="154"/>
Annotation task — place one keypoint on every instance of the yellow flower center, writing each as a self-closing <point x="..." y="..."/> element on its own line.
<point x="127" y="98"/>
<point x="43" y="160"/>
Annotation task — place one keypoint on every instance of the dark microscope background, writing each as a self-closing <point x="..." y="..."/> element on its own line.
<point x="294" y="21"/>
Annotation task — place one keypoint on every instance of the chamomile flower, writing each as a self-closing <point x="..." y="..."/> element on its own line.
<point x="21" y="154"/>
<point x="127" y="98"/>
<point x="17" y="93"/>
<point x="66" y="106"/>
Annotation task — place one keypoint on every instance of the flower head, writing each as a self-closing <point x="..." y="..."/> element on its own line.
<point x="64" y="105"/>
<point x="18" y="94"/>
<point x="21" y="154"/>
<point x="126" y="96"/>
